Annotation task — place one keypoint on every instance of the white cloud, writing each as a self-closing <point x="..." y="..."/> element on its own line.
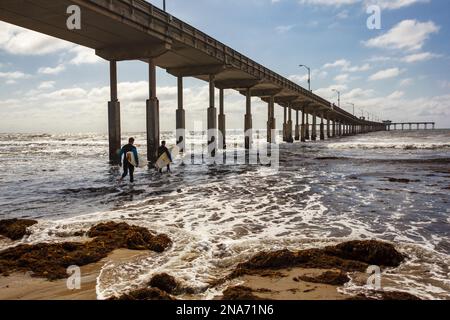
<point x="396" y="95"/>
<point x="417" y="57"/>
<point x="342" y="78"/>
<point x="338" y="63"/>
<point x="52" y="71"/>
<point x="284" y="29"/>
<point x="46" y="85"/>
<point x="407" y="35"/>
<point x="406" y="82"/>
<point x="335" y="3"/>
<point x="385" y="74"/>
<point x="15" y="75"/>
<point x="395" y="4"/>
<point x="84" y="55"/>
<point x="16" y="40"/>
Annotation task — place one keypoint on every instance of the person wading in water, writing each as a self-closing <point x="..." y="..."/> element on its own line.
<point x="127" y="166"/>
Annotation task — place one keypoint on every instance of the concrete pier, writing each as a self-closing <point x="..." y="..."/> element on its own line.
<point x="303" y="127"/>
<point x="322" y="127"/>
<point x="271" y="124"/>
<point x="285" y="124"/>
<point x="212" y="119"/>
<point x="314" y="127"/>
<point x="180" y="118"/>
<point x="114" y="131"/>
<point x="307" y="136"/>
<point x="248" y="121"/>
<point x="290" y="138"/>
<point x="222" y="123"/>
<point x="297" y="126"/>
<point x="152" y="112"/>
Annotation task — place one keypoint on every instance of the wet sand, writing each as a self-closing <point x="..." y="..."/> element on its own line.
<point x="20" y="286"/>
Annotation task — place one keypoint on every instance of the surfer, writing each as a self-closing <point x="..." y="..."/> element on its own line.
<point x="127" y="166"/>
<point x="161" y="150"/>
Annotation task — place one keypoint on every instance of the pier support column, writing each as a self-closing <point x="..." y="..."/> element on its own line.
<point x="212" y="119"/>
<point x="289" y="136"/>
<point x="248" y="120"/>
<point x="334" y="128"/>
<point x="322" y="127"/>
<point x="297" y="126"/>
<point x="303" y="127"/>
<point x="181" y="118"/>
<point x="114" y="132"/>
<point x="328" y="126"/>
<point x="271" y="125"/>
<point x="314" y="127"/>
<point x="307" y="136"/>
<point x="285" y="124"/>
<point x="340" y="128"/>
<point x="152" y="111"/>
<point x="222" y="126"/>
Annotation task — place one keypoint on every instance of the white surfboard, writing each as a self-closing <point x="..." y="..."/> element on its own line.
<point x="131" y="159"/>
<point x="163" y="161"/>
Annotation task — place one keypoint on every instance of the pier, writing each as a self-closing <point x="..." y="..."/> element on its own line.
<point x="409" y="125"/>
<point x="120" y="30"/>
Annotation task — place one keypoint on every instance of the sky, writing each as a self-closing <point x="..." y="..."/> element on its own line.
<point x="399" y="72"/>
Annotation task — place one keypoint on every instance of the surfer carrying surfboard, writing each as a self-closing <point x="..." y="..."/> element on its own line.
<point x="130" y="155"/>
<point x="164" y="156"/>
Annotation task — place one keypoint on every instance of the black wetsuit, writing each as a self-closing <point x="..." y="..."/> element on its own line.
<point x="161" y="151"/>
<point x="128" y="167"/>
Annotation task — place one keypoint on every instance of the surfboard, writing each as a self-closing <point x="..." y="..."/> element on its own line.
<point x="164" y="160"/>
<point x="131" y="159"/>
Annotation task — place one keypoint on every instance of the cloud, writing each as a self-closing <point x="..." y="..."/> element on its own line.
<point x="406" y="82"/>
<point x="16" y="40"/>
<point x="334" y="3"/>
<point x="338" y="63"/>
<point x="342" y="78"/>
<point x="284" y="29"/>
<point x="385" y="74"/>
<point x="406" y="35"/>
<point x="394" y="4"/>
<point x="417" y="57"/>
<point x="46" y="85"/>
<point x="84" y="55"/>
<point x="15" y="75"/>
<point x="52" y="71"/>
<point x="396" y="95"/>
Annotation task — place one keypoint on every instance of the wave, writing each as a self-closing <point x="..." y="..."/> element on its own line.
<point x="383" y="145"/>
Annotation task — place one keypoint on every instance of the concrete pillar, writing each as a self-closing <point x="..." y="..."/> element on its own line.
<point x="297" y="126"/>
<point x="285" y="124"/>
<point x="290" y="138"/>
<point x="322" y="127"/>
<point x="339" y="128"/>
<point x="334" y="128"/>
<point x="418" y="126"/>
<point x="180" y="118"/>
<point x="248" y="120"/>
<point x="114" y="132"/>
<point x="152" y="115"/>
<point x="222" y="126"/>
<point x="303" y="127"/>
<point x="212" y="119"/>
<point x="307" y="136"/>
<point x="314" y="127"/>
<point x="271" y="125"/>
<point x="328" y="126"/>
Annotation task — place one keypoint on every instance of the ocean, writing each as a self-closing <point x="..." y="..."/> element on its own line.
<point x="392" y="186"/>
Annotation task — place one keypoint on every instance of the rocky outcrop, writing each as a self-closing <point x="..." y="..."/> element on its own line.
<point x="15" y="229"/>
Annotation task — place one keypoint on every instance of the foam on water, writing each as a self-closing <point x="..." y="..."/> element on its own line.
<point x="220" y="216"/>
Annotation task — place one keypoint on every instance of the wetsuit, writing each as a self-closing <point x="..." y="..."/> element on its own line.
<point x="127" y="166"/>
<point x="161" y="151"/>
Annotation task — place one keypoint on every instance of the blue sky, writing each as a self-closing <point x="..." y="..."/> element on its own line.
<point x="400" y="72"/>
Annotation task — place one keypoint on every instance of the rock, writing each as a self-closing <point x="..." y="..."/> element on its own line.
<point x="145" y="294"/>
<point x="15" y="229"/>
<point x="50" y="260"/>
<point x="164" y="282"/>
<point x="328" y="277"/>
<point x="395" y="180"/>
<point x="371" y="252"/>
<point x="239" y="293"/>
<point x="348" y="256"/>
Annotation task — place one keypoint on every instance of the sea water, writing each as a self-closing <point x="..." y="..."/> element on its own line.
<point x="322" y="193"/>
